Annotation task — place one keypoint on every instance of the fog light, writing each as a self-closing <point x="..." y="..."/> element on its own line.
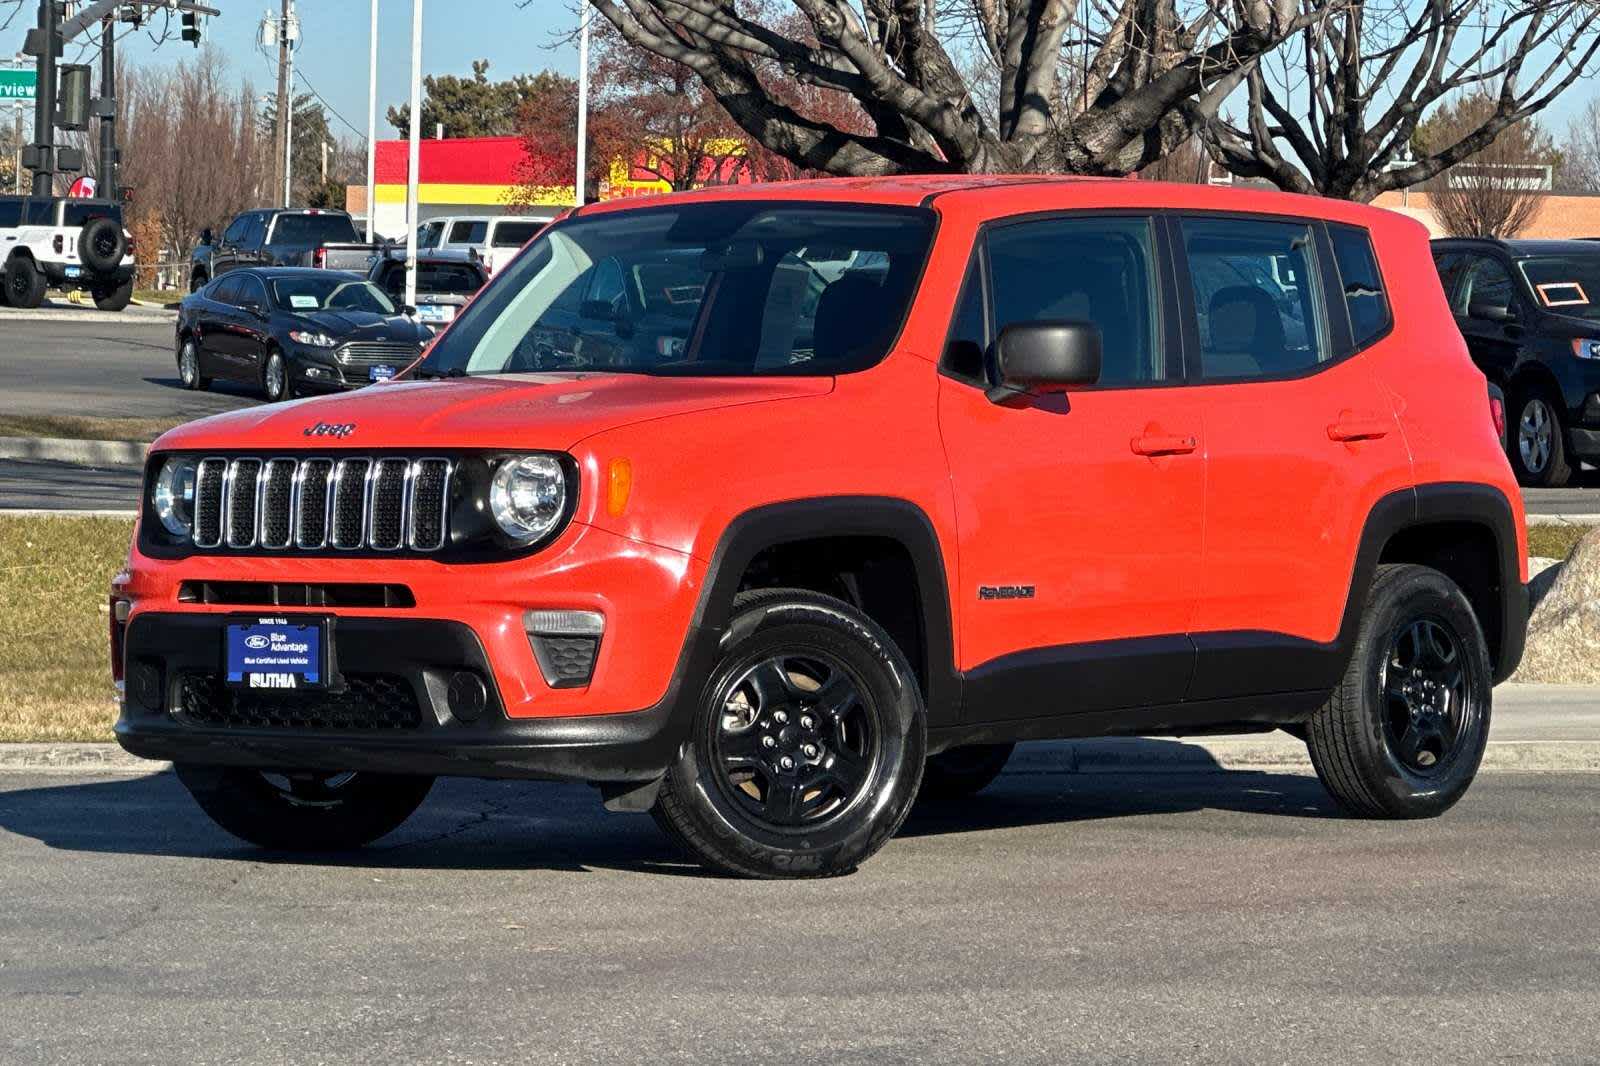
<point x="317" y="372"/>
<point x="566" y="644"/>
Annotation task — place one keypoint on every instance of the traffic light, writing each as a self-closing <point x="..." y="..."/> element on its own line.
<point x="191" y="28"/>
<point x="133" y="15"/>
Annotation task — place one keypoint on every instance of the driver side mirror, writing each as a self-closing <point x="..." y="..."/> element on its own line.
<point x="1492" y="312"/>
<point x="206" y="237"/>
<point x="408" y="310"/>
<point x="1035" y="358"/>
<point x="251" y="307"/>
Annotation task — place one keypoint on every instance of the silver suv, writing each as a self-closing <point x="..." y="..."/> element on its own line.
<point x="66" y="244"/>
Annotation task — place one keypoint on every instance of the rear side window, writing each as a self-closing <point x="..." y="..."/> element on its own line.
<point x="1449" y="265"/>
<point x="1364" y="296"/>
<point x="1257" y="303"/>
<point x="468" y="232"/>
<point x="74" y="215"/>
<point x="515" y="234"/>
<point x="40" y="213"/>
<point x="1098" y="270"/>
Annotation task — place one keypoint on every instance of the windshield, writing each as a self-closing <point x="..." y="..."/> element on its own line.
<point x="712" y="289"/>
<point x="1566" y="284"/>
<point x="314" y="229"/>
<point x="310" y="292"/>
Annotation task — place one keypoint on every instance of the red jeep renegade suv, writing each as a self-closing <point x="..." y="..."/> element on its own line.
<point x="765" y="508"/>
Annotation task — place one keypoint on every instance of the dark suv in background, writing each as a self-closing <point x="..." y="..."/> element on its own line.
<point x="1530" y="313"/>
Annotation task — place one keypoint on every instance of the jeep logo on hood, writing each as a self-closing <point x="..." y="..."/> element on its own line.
<point x="330" y="429"/>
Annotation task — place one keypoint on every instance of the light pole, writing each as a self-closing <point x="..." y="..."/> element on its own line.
<point x="414" y="153"/>
<point x="372" y="121"/>
<point x="580" y="190"/>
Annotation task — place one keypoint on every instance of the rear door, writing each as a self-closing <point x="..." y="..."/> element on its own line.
<point x="1078" y="515"/>
<point x="1301" y="443"/>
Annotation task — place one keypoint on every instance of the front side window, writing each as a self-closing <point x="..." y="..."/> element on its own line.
<point x="1486" y="292"/>
<point x="1097" y="270"/>
<point x="237" y="229"/>
<point x="226" y="291"/>
<point x="251" y="292"/>
<point x="1565" y="284"/>
<point x="310" y="292"/>
<point x="10" y="212"/>
<point x="711" y="289"/>
<point x="1257" y="303"/>
<point x="1364" y="297"/>
<point x="966" y="347"/>
<point x="255" y="232"/>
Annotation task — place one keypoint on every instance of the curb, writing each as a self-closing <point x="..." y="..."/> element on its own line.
<point x="1114" y="756"/>
<point x="149" y="315"/>
<point x="1563" y="519"/>
<point x="82" y="452"/>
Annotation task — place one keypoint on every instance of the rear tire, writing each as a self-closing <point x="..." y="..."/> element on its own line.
<point x="965" y="771"/>
<point x="25" y="285"/>
<point x="197" y="281"/>
<point x="303" y="812"/>
<point x="1403" y="734"/>
<point x="806" y="746"/>
<point x="1536" y="436"/>
<point x="117" y="299"/>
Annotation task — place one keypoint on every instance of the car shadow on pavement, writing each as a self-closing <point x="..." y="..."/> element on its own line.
<point x="243" y="390"/>
<point x="521" y="825"/>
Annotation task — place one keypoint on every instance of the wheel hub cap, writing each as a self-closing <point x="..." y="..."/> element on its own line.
<point x="1536" y="434"/>
<point x="1424" y="686"/>
<point x="795" y="741"/>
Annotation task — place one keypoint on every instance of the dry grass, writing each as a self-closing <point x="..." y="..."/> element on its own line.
<point x="72" y="427"/>
<point x="55" y="674"/>
<point x="1555" y="542"/>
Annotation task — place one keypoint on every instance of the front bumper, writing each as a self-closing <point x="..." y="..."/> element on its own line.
<point x="621" y="726"/>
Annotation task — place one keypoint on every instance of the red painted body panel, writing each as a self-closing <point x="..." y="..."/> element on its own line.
<point x="1256" y="529"/>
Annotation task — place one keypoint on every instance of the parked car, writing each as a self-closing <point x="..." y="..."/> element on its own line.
<point x="293" y="331"/>
<point x="445" y="282"/>
<point x="831" y="554"/>
<point x="496" y="238"/>
<point x="1530" y="313"/>
<point x="64" y="244"/>
<point x="307" y="237"/>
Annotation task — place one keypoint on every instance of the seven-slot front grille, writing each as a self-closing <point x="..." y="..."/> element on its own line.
<point x="378" y="503"/>
<point x="376" y="353"/>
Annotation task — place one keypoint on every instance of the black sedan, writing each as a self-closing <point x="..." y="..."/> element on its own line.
<point x="294" y="331"/>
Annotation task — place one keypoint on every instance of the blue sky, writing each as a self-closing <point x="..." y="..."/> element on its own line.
<point x="333" y="55"/>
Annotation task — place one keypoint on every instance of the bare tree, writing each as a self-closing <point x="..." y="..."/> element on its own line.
<point x="1580" y="157"/>
<point x="1497" y="193"/>
<point x="898" y="61"/>
<point x="1336" y="109"/>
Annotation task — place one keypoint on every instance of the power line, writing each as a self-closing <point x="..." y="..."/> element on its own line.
<point x="360" y="135"/>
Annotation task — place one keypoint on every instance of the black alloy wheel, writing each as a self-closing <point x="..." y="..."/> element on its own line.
<point x="806" y="747"/>
<point x="1424" y="683"/>
<point x="795" y="741"/>
<point x="1404" y="732"/>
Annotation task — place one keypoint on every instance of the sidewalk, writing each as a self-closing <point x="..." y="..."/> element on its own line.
<point x="1537" y="729"/>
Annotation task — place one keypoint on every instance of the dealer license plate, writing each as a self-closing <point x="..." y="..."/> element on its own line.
<point x="276" y="653"/>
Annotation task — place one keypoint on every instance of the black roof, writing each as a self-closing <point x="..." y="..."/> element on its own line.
<point x="1522" y="246"/>
<point x="268" y="273"/>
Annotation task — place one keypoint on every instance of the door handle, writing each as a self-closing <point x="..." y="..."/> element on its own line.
<point x="1354" y="427"/>
<point x="1163" y="444"/>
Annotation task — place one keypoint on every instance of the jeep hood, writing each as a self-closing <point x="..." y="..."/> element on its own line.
<point x="538" y="411"/>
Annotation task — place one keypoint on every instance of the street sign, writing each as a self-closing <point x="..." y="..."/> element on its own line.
<point x="18" y="85"/>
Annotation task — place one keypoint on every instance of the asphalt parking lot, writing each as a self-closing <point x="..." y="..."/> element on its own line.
<point x="1088" y="918"/>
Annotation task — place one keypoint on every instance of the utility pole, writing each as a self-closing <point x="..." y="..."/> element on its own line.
<point x="580" y="190"/>
<point x="109" y="179"/>
<point x="281" y="135"/>
<point x="44" y="112"/>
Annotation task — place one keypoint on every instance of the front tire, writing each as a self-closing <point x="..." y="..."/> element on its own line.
<point x="275" y="378"/>
<point x="807" y="743"/>
<point x="303" y="811"/>
<point x="25" y="285"/>
<point x="189" y="366"/>
<point x="965" y="771"/>
<point x="1403" y="734"/>
<point x="1538" y="438"/>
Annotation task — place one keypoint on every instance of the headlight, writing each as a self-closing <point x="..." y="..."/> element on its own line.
<point x="528" y="496"/>
<point x="173" y="495"/>
<point x="311" y="338"/>
<point x="1586" y="348"/>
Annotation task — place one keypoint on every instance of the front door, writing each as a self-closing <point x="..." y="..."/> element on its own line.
<point x="1079" y="515"/>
